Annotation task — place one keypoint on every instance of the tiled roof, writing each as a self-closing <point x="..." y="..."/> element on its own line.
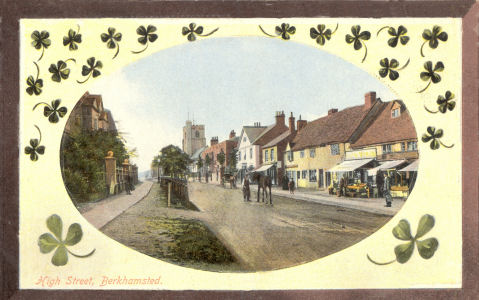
<point x="385" y="129"/>
<point x="334" y="128"/>
<point x="263" y="132"/>
<point x="280" y="138"/>
<point x="253" y="131"/>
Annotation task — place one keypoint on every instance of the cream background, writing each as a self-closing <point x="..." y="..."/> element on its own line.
<point x="437" y="191"/>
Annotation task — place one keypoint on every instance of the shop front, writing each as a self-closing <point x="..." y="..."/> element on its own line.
<point x="271" y="171"/>
<point x="354" y="174"/>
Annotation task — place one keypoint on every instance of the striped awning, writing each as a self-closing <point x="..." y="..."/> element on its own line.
<point x="412" y="167"/>
<point x="350" y="165"/>
<point x="386" y="165"/>
<point x="264" y="168"/>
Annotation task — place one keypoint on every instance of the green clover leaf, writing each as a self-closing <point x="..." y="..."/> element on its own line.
<point x="191" y="31"/>
<point x="47" y="243"/>
<point x="40" y="40"/>
<point x="72" y="39"/>
<point x="391" y="68"/>
<point x="284" y="31"/>
<point x="444" y="103"/>
<point x="431" y="74"/>
<point x="433" y="37"/>
<point x="53" y="111"/>
<point x="402" y="231"/>
<point x="111" y="39"/>
<point x="434" y="136"/>
<point x="35" y="149"/>
<point x="146" y="35"/>
<point x="358" y="38"/>
<point x="322" y="34"/>
<point x="91" y="69"/>
<point x="34" y="85"/>
<point x="60" y="70"/>
<point x="397" y="36"/>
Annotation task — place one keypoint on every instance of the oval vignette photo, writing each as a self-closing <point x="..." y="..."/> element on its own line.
<point x="239" y="154"/>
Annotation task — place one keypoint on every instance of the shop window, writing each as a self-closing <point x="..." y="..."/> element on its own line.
<point x="301" y="154"/>
<point x="272" y="155"/>
<point x="312" y="152"/>
<point x="395" y="113"/>
<point x="304" y="174"/>
<point x="312" y="175"/>
<point x="265" y="155"/>
<point x="412" y="146"/>
<point x="335" y="149"/>
<point x="387" y="148"/>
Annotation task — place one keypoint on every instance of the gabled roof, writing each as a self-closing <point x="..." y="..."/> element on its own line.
<point x="287" y="135"/>
<point x="253" y="132"/>
<point x="333" y="128"/>
<point x="263" y="132"/>
<point x="386" y="129"/>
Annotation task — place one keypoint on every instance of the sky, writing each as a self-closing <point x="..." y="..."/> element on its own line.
<point x="225" y="83"/>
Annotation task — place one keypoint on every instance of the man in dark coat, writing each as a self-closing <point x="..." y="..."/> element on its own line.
<point x="127" y="184"/>
<point x="387" y="190"/>
<point x="246" y="190"/>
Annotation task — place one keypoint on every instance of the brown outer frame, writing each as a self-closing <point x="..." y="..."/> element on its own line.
<point x="9" y="39"/>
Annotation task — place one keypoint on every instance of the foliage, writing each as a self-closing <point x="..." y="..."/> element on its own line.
<point x="173" y="161"/>
<point x="48" y="243"/>
<point x="233" y="160"/>
<point x="220" y="157"/>
<point x="84" y="160"/>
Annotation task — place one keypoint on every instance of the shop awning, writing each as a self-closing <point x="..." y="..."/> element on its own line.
<point x="263" y="168"/>
<point x="350" y="165"/>
<point x="385" y="166"/>
<point x="411" y="167"/>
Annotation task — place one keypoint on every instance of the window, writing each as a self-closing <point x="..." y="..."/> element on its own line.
<point x="335" y="149"/>
<point x="320" y="177"/>
<point x="301" y="153"/>
<point x="197" y="134"/>
<point x="298" y="175"/>
<point x="312" y="152"/>
<point x="304" y="174"/>
<point x="265" y="155"/>
<point x="272" y="155"/>
<point x="239" y="155"/>
<point x="412" y="146"/>
<point x="395" y="113"/>
<point x="403" y="147"/>
<point x="290" y="156"/>
<point x="244" y="156"/>
<point x="387" y="148"/>
<point x="312" y="175"/>
<point x="244" y="139"/>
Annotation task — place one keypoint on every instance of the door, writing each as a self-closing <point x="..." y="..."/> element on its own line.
<point x="320" y="178"/>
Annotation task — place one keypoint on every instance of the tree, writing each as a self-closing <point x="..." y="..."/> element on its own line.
<point x="155" y="164"/>
<point x="207" y="163"/>
<point x="199" y="165"/>
<point x="233" y="160"/>
<point x="173" y="161"/>
<point x="220" y="157"/>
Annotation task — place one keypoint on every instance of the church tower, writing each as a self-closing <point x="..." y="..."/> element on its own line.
<point x="193" y="137"/>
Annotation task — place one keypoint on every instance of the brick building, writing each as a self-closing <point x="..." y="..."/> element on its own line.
<point x="227" y="146"/>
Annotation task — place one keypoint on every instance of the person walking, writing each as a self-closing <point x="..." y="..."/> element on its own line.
<point x="246" y="190"/>
<point x="387" y="190"/>
<point x="127" y="184"/>
<point x="291" y="186"/>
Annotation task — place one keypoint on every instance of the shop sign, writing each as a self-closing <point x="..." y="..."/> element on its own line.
<point x="361" y="154"/>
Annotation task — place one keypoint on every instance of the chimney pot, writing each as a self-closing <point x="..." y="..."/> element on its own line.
<point x="369" y="99"/>
<point x="291" y="124"/>
<point x="332" y="111"/>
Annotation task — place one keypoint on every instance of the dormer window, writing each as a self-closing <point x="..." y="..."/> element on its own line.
<point x="395" y="113"/>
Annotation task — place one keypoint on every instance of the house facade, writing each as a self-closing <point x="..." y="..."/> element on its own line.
<point x="248" y="156"/>
<point x="226" y="146"/>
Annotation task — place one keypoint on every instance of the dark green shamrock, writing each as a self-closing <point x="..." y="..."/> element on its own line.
<point x="48" y="243"/>
<point x="192" y="31"/>
<point x="53" y="111"/>
<point x="41" y="41"/>
<point x="397" y="36"/>
<point x="433" y="37"/>
<point x="91" y="69"/>
<point x="402" y="231"/>
<point x="391" y="68"/>
<point x="111" y="39"/>
<point x="34" y="149"/>
<point x="284" y="31"/>
<point x="72" y="39"/>
<point x="60" y="71"/>
<point x="431" y="74"/>
<point x="358" y="39"/>
<point x="444" y="103"/>
<point x="434" y="136"/>
<point x="34" y="85"/>
<point x="146" y="35"/>
<point x="322" y="34"/>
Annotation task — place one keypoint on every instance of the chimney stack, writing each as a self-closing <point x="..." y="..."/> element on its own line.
<point x="332" y="111"/>
<point x="300" y="123"/>
<point x="232" y="134"/>
<point x="369" y="99"/>
<point x="214" y="140"/>
<point x="291" y="124"/>
<point x="279" y="117"/>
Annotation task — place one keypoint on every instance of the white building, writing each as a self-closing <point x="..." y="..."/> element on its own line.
<point x="249" y="154"/>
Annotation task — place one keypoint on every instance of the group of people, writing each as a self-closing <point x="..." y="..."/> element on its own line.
<point x="386" y="189"/>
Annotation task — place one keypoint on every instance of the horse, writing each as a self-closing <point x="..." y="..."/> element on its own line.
<point x="264" y="181"/>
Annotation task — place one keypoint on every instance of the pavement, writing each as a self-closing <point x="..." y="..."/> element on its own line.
<point x="102" y="212"/>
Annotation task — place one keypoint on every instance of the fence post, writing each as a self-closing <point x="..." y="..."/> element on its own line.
<point x="169" y="193"/>
<point x="110" y="172"/>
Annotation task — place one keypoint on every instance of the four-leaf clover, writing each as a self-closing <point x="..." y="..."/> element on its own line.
<point x="34" y="85"/>
<point x="284" y="31"/>
<point x="434" y="136"/>
<point x="91" y="69"/>
<point x="72" y="39"/>
<point x="48" y="243"/>
<point x="53" y="111"/>
<point x="111" y="39"/>
<point x="433" y="37"/>
<point x="402" y="232"/>
<point x="322" y="34"/>
<point x="391" y="68"/>
<point x="41" y="41"/>
<point x="191" y="31"/>
<point x="431" y="74"/>
<point x="358" y="39"/>
<point x="397" y="36"/>
<point x="444" y="103"/>
<point x="60" y="71"/>
<point x="146" y="35"/>
<point x="34" y="149"/>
